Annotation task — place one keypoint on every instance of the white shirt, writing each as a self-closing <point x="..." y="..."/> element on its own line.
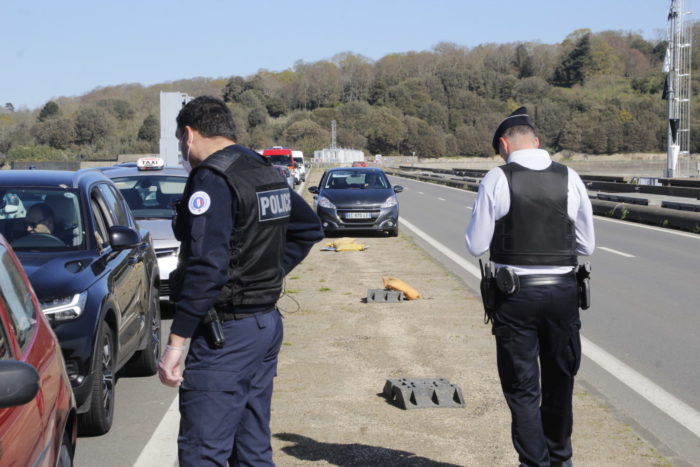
<point x="493" y="202"/>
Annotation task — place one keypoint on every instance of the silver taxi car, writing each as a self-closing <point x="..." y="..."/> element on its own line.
<point x="151" y="189"/>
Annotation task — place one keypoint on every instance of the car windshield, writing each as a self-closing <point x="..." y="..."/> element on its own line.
<point x="348" y="179"/>
<point x="282" y="160"/>
<point x="153" y="196"/>
<point x="41" y="219"/>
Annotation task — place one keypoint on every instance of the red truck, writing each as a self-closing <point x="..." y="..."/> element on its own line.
<point x="280" y="156"/>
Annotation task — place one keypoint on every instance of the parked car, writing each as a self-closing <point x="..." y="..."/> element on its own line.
<point x="38" y="415"/>
<point x="151" y="190"/>
<point x="284" y="171"/>
<point x="359" y="164"/>
<point x="357" y="198"/>
<point x="95" y="274"/>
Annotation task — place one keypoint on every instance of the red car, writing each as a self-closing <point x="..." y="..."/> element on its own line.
<point x="37" y="408"/>
<point x="359" y="164"/>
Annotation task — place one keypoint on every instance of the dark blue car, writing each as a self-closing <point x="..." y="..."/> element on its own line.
<point x="357" y="198"/>
<point x="95" y="274"/>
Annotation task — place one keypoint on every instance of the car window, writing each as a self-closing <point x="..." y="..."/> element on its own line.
<point x="41" y="219"/>
<point x="101" y="226"/>
<point x="5" y="349"/>
<point x="114" y="206"/>
<point x="18" y="299"/>
<point x="151" y="197"/>
<point x="348" y="179"/>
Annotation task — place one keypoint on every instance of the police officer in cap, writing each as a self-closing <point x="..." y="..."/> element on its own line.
<point x="241" y="230"/>
<point x="535" y="217"/>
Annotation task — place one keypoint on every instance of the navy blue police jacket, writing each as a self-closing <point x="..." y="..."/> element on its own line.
<point x="206" y="268"/>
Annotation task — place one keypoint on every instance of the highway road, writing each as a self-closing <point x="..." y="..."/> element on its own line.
<point x="641" y="342"/>
<point x="641" y="338"/>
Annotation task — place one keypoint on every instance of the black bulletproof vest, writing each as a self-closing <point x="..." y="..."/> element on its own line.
<point x="255" y="272"/>
<point x="537" y="230"/>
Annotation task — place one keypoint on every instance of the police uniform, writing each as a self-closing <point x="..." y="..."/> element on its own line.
<point x="535" y="217"/>
<point x="241" y="231"/>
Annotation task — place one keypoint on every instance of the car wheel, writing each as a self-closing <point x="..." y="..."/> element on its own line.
<point x="145" y="362"/>
<point x="394" y="232"/>
<point x="65" y="454"/>
<point x="98" y="419"/>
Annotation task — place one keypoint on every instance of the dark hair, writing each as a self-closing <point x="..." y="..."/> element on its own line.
<point x="209" y="116"/>
<point x="522" y="130"/>
<point x="44" y="210"/>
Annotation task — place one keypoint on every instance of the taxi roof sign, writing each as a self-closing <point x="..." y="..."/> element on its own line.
<point x="150" y="163"/>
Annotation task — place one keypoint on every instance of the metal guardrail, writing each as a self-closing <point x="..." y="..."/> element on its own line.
<point x="680" y="206"/>
<point x="623" y="199"/>
<point x="653" y="215"/>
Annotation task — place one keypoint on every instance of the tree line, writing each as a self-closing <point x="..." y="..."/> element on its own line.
<point x="597" y="93"/>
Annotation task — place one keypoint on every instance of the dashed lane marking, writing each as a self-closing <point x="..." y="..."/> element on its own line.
<point x="617" y="252"/>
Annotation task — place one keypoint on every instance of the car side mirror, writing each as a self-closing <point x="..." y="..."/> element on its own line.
<point x="121" y="237"/>
<point x="398" y="188"/>
<point x="313" y="189"/>
<point x="20" y="383"/>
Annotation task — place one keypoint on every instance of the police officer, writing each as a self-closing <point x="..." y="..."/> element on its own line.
<point x="535" y="217"/>
<point x="241" y="230"/>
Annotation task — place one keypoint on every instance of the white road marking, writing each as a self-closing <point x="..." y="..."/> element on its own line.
<point x="441" y="199"/>
<point x="617" y="252"/>
<point x="657" y="396"/>
<point x="463" y="263"/>
<point x="161" y="449"/>
<point x="664" y="401"/>
<point x="421" y="193"/>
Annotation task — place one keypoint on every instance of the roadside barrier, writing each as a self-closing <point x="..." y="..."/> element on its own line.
<point x="660" y="216"/>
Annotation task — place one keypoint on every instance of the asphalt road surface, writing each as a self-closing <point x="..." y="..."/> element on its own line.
<point x="642" y="328"/>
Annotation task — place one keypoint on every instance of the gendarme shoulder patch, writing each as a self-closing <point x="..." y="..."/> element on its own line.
<point x="274" y="204"/>
<point x="199" y="203"/>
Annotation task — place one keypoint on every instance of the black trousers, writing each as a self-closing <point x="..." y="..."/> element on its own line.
<point x="539" y="322"/>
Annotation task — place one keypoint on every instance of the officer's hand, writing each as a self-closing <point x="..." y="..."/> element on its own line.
<point x="170" y="366"/>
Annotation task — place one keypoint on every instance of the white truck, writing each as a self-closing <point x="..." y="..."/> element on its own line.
<point x="299" y="166"/>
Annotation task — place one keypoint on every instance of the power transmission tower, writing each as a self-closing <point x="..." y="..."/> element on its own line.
<point x="677" y="89"/>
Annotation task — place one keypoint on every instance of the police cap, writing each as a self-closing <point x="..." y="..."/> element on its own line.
<point x="518" y="117"/>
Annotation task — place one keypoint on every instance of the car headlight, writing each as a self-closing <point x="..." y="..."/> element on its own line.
<point x="65" y="308"/>
<point x="325" y="203"/>
<point x="390" y="202"/>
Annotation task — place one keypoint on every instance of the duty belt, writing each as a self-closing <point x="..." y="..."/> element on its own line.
<point x="545" y="279"/>
<point x="233" y="315"/>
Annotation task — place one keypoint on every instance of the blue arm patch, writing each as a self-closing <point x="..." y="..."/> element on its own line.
<point x="274" y="204"/>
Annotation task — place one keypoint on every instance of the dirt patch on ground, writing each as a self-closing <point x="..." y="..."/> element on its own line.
<point x="338" y="352"/>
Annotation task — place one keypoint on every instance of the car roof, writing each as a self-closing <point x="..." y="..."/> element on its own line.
<point x="357" y="169"/>
<point x="118" y="172"/>
<point x="50" y="178"/>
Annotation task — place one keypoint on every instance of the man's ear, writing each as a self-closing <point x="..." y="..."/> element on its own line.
<point x="505" y="144"/>
<point x="537" y="142"/>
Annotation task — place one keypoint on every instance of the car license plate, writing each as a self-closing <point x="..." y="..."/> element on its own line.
<point x="358" y="215"/>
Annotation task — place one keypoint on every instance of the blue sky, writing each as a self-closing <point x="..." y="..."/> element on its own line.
<point x="53" y="48"/>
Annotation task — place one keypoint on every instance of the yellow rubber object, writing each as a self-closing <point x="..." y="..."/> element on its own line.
<point x="350" y="247"/>
<point x="392" y="283"/>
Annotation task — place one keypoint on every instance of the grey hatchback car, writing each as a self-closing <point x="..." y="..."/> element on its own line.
<point x="357" y="198"/>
